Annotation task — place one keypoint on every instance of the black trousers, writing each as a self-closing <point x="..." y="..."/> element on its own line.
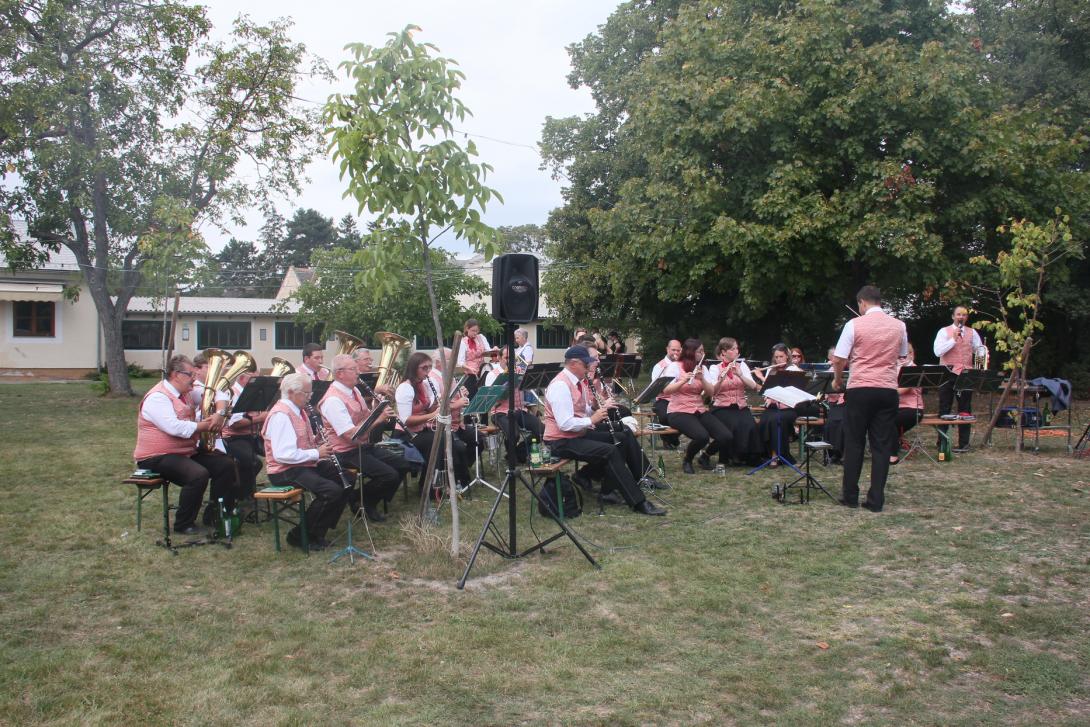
<point x="247" y="453"/>
<point x="596" y="448"/>
<point x="381" y="477"/>
<point x="745" y="441"/>
<point x="422" y="441"/>
<point x="330" y="495"/>
<point x="523" y="420"/>
<point x="660" y="408"/>
<point x="192" y="474"/>
<point x="776" y="428"/>
<point x="631" y="451"/>
<point x="834" y="430"/>
<point x="964" y="399"/>
<point x="702" y="430"/>
<point x="871" y="413"/>
<point x="907" y="418"/>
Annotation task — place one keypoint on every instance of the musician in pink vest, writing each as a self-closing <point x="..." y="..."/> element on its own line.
<point x="870" y="345"/>
<point x="166" y="442"/>
<point x="909" y="404"/>
<point x="955" y="345"/>
<point x="730" y="379"/>
<point x="294" y="457"/>
<point x="465" y="440"/>
<point x="662" y="403"/>
<point x="570" y="432"/>
<point x="523" y="418"/>
<point x="686" y="411"/>
<point x="242" y="438"/>
<point x="313" y="360"/>
<point x="343" y="410"/>
<point x="417" y="400"/>
<point x="473" y="351"/>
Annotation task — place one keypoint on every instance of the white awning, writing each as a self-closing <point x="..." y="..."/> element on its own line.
<point x="31" y="291"/>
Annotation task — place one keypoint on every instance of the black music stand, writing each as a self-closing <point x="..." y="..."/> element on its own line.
<point x="509" y="548"/>
<point x="482" y="402"/>
<point x="926" y="377"/>
<point x="617" y="365"/>
<point x="318" y="390"/>
<point x="358" y="436"/>
<point x="785" y="379"/>
<point x="260" y="393"/>
<point x="805" y="483"/>
<point x="653" y="390"/>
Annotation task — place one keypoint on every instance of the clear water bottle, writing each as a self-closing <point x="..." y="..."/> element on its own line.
<point x="536" y="458"/>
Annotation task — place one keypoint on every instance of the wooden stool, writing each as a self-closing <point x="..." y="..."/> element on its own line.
<point x="289" y="498"/>
<point x="145" y="487"/>
<point x="551" y="469"/>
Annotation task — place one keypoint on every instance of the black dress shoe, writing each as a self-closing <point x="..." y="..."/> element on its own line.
<point x="613" y="498"/>
<point x="187" y="530"/>
<point x="374" y="515"/>
<point x="656" y="484"/>
<point x="872" y="508"/>
<point x="845" y="503"/>
<point x="649" y="508"/>
<point x="583" y="482"/>
<point x="705" y="462"/>
<point x="687" y="467"/>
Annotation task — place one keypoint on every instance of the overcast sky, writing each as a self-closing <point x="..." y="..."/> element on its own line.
<point x="513" y="55"/>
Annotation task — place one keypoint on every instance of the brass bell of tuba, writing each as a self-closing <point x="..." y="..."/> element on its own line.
<point x="392" y="347"/>
<point x="281" y="367"/>
<point x="218" y="362"/>
<point x="347" y="343"/>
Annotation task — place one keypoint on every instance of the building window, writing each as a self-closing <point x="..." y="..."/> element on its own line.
<point x="428" y="342"/>
<point x="292" y="336"/>
<point x="143" y="335"/>
<point x="34" y="319"/>
<point x="223" y="334"/>
<point x="553" y="336"/>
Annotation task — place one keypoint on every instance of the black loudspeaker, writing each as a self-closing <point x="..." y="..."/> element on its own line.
<point x="514" y="288"/>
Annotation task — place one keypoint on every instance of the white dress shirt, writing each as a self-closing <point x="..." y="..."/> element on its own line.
<point x="464" y="346"/>
<point x="560" y="401"/>
<point x="336" y="413"/>
<point x="159" y="410"/>
<point x="526" y="353"/>
<point x="404" y="395"/>
<point x="282" y="439"/>
<point x="659" y="369"/>
<point x="847" y="338"/>
<point x="742" y="370"/>
<point x="944" y="343"/>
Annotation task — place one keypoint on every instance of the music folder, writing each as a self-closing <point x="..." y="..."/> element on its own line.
<point x="653" y="390"/>
<point x="260" y="393"/>
<point x="377" y="414"/>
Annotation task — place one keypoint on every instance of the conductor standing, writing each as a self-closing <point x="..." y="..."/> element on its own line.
<point x="870" y="345"/>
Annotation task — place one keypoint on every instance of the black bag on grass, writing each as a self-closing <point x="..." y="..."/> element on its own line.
<point x="573" y="500"/>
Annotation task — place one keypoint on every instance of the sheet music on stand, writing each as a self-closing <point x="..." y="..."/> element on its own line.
<point x="790" y="396"/>
<point x="653" y="390"/>
<point x="318" y="391"/>
<point x="485" y="399"/>
<point x="260" y="393"/>
<point x="537" y="378"/>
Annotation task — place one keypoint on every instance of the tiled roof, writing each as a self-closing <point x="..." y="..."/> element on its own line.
<point x="227" y="306"/>
<point x="62" y="259"/>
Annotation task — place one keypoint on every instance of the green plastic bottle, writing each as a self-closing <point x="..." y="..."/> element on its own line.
<point x="535" y="453"/>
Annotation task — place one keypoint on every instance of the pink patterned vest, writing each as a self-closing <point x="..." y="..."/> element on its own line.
<point x="732" y="390"/>
<point x="960" y="357"/>
<point x="579" y="406"/>
<point x="877" y="346"/>
<point x="356" y="409"/>
<point x="151" y="441"/>
<point x="304" y="438"/>
<point x="689" y="399"/>
<point x="474" y="355"/>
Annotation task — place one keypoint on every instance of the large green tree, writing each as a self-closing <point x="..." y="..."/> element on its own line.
<point x="120" y="123"/>
<point x="751" y="164"/>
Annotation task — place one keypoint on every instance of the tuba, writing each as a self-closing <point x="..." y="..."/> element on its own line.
<point x="392" y="346"/>
<point x="241" y="363"/>
<point x="218" y="362"/>
<point x="347" y="342"/>
<point x="281" y="367"/>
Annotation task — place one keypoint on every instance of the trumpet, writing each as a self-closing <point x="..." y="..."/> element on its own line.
<point x="319" y="431"/>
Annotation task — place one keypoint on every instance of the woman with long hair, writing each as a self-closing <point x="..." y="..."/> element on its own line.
<point x="777" y="421"/>
<point x="472" y="352"/>
<point x="417" y="400"/>
<point x="730" y="378"/>
<point x="910" y="406"/>
<point x="686" y="411"/>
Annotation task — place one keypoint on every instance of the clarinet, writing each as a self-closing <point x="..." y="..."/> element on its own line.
<point x="377" y="398"/>
<point x="316" y="425"/>
<point x="598" y="402"/>
<point x="435" y="399"/>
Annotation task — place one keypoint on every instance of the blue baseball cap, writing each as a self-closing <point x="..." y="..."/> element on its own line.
<point x="579" y="353"/>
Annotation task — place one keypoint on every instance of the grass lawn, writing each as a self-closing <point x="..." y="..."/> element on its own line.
<point x="966" y="602"/>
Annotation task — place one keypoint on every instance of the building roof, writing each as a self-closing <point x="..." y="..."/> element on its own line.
<point x="225" y="306"/>
<point x="63" y="259"/>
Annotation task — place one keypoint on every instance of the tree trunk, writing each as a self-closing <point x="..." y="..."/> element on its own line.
<point x="110" y="315"/>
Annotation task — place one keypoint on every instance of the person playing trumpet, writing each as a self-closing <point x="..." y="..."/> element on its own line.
<point x="955" y="346"/>
<point x="686" y="410"/>
<point x="313" y="358"/>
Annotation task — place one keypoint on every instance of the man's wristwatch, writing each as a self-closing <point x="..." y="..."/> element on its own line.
<point x="221" y="412"/>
